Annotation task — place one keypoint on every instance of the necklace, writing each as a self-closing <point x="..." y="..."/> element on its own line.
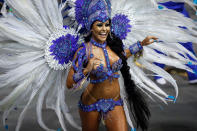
<point x="98" y="44"/>
<point x="103" y="46"/>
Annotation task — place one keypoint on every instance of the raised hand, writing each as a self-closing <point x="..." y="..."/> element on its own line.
<point x="92" y="64"/>
<point x="148" y="40"/>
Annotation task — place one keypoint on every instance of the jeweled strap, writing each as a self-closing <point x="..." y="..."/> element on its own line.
<point x="103" y="46"/>
<point x="110" y="74"/>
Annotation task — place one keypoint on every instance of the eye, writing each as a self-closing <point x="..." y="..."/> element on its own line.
<point x="99" y="24"/>
<point x="107" y="25"/>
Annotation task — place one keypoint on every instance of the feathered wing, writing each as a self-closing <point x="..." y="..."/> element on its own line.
<point x="133" y="20"/>
<point x="30" y="62"/>
<point x="189" y="2"/>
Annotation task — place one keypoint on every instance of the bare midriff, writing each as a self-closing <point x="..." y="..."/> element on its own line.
<point x="104" y="90"/>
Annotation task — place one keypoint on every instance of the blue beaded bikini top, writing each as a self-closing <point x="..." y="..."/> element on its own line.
<point x="101" y="72"/>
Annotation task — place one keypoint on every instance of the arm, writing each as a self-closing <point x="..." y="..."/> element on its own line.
<point x="127" y="53"/>
<point x="145" y="42"/>
<point x="70" y="81"/>
<point x="77" y="68"/>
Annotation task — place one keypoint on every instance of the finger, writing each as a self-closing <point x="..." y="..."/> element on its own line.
<point x="92" y="60"/>
<point x="154" y="40"/>
<point x="153" y="37"/>
<point x="98" y="59"/>
<point x="97" y="62"/>
<point x="150" y="42"/>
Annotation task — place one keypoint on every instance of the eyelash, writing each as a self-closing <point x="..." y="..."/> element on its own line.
<point x="107" y="25"/>
<point x="100" y="25"/>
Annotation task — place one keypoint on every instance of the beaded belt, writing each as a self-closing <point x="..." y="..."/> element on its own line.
<point x="102" y="105"/>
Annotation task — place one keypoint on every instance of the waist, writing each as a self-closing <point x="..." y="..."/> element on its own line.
<point x="104" y="90"/>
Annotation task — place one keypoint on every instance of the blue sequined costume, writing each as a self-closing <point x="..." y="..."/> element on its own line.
<point x="102" y="73"/>
<point x="102" y="105"/>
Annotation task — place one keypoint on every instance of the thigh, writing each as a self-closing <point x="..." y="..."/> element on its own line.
<point x="89" y="120"/>
<point x="116" y="120"/>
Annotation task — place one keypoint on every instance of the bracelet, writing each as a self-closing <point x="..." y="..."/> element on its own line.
<point x="80" y="83"/>
<point x="78" y="76"/>
<point x="135" y="48"/>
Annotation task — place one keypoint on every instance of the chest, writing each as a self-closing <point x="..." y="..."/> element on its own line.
<point x="102" y="55"/>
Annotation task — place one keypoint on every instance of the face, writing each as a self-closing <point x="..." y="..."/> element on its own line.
<point x="100" y="31"/>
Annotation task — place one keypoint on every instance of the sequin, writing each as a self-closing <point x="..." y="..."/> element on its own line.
<point x="88" y="11"/>
<point x="61" y="47"/>
<point x="135" y="48"/>
<point x="102" y="105"/>
<point x="120" y="26"/>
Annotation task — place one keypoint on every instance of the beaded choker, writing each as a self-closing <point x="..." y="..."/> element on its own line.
<point x="98" y="44"/>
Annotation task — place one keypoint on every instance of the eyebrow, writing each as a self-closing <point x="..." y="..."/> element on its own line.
<point x="99" y="23"/>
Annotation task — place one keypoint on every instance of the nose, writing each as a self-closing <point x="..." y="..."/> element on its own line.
<point x="104" y="27"/>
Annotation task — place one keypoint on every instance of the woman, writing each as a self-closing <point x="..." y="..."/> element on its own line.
<point x="107" y="88"/>
<point x="36" y="53"/>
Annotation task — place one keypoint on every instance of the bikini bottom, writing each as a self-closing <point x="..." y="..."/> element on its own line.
<point x="102" y="105"/>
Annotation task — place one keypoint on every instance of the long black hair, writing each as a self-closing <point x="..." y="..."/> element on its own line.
<point x="137" y="103"/>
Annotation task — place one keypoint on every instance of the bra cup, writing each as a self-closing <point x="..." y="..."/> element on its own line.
<point x="102" y="71"/>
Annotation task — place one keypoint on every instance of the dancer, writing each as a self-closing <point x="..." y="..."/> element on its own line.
<point x="41" y="54"/>
<point x="105" y="57"/>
